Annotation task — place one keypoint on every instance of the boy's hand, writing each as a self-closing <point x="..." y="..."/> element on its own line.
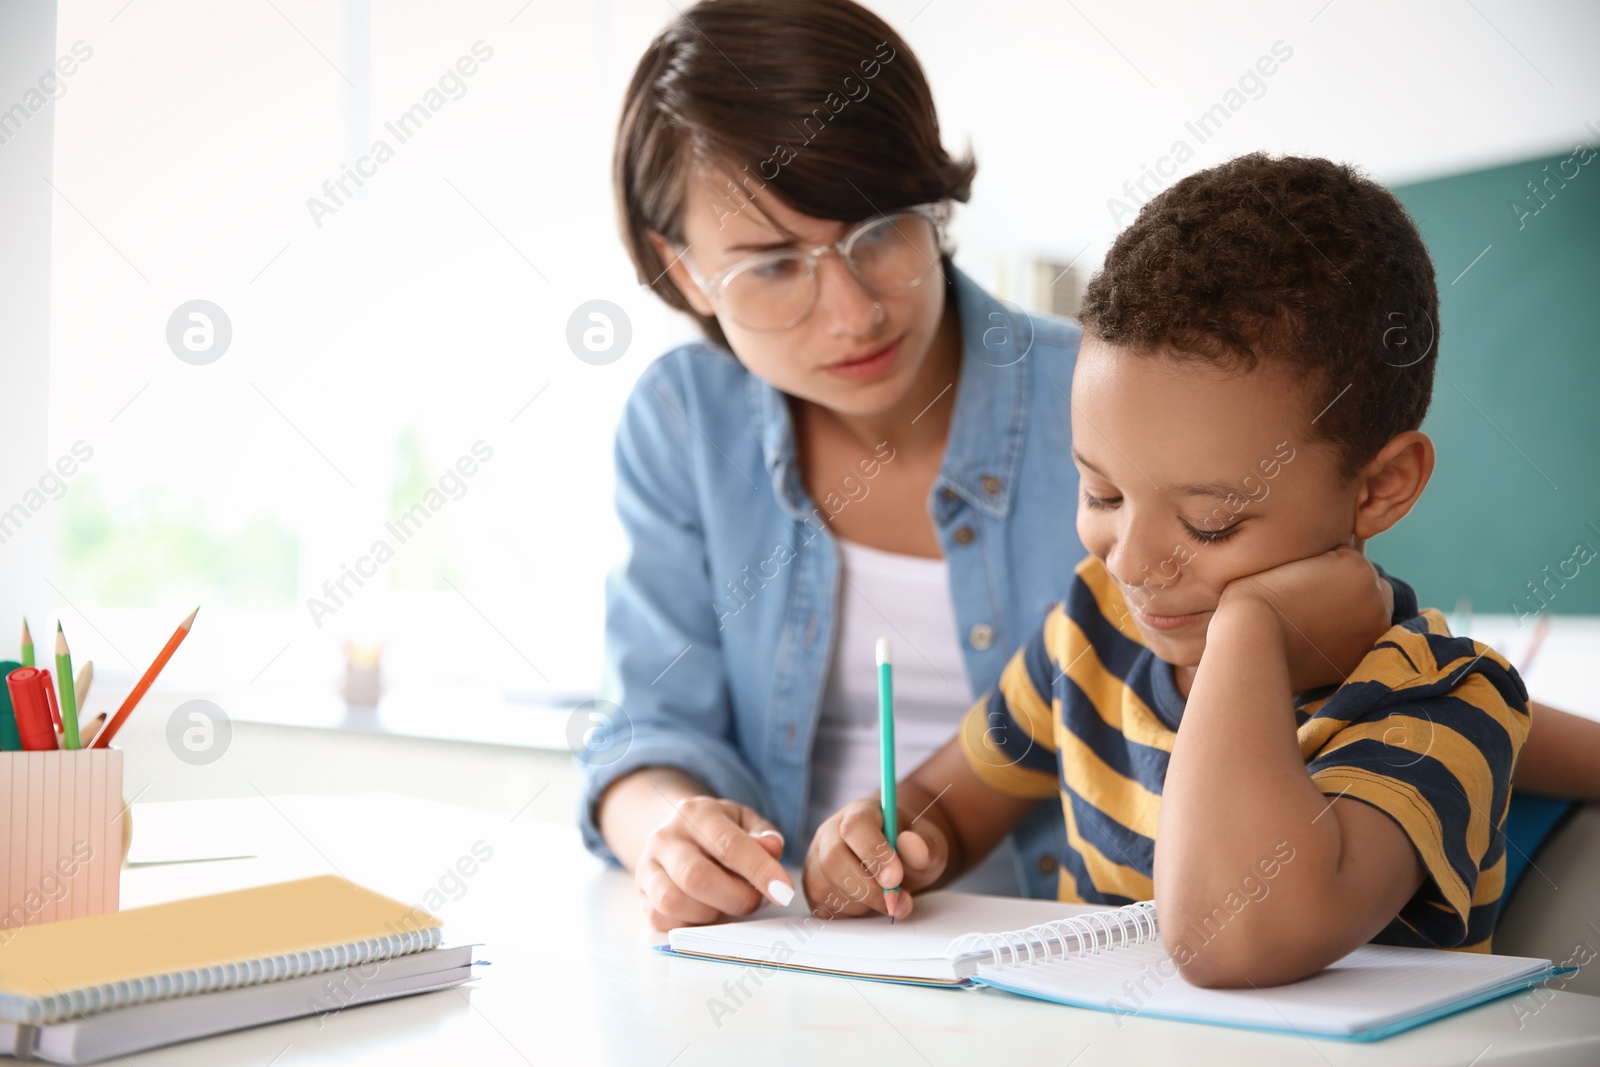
<point x="704" y="864"/>
<point x="850" y="863"/>
<point x="1330" y="609"/>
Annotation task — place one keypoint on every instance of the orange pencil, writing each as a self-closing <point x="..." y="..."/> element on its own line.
<point x="103" y="738"/>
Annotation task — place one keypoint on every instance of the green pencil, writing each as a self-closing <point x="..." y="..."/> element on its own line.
<point x="27" y="644"/>
<point x="891" y="817"/>
<point x="69" y="699"/>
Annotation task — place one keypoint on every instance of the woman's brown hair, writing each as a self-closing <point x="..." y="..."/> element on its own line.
<point x="818" y="101"/>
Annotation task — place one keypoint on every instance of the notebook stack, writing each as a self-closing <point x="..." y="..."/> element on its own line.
<point x="86" y="990"/>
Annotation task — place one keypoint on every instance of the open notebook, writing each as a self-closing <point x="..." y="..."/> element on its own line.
<point x="1111" y="959"/>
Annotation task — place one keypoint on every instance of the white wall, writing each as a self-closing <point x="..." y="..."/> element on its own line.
<point x="1063" y="103"/>
<point x="192" y="140"/>
<point x="27" y="49"/>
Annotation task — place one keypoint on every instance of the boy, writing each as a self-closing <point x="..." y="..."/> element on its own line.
<point x="1245" y="413"/>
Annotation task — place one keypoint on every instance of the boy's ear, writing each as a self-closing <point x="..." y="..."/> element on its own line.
<point x="681" y="277"/>
<point x="1391" y="482"/>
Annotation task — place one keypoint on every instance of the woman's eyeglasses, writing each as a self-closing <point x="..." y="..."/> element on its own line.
<point x="773" y="291"/>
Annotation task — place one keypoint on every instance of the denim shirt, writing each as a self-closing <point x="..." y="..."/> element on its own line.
<point x="720" y="619"/>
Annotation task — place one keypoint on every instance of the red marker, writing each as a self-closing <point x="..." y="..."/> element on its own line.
<point x="33" y="702"/>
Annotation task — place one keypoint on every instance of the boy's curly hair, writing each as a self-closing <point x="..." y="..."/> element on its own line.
<point x="1295" y="259"/>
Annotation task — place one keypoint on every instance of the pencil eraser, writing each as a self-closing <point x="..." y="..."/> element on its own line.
<point x="885" y="651"/>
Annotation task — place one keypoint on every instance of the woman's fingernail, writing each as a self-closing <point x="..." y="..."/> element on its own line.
<point x="770" y="833"/>
<point x="782" y="892"/>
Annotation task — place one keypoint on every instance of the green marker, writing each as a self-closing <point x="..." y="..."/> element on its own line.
<point x="69" y="699"/>
<point x="27" y="644"/>
<point x="891" y="818"/>
<point x="10" y="740"/>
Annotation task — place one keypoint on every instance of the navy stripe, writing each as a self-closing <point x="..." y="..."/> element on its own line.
<point x="1405" y="597"/>
<point x="1013" y="742"/>
<point x="1042" y="668"/>
<point x="1142" y="763"/>
<point x="1073" y="864"/>
<point x="1398" y="933"/>
<point x="1480" y="922"/>
<point x="1447" y="650"/>
<point x="1428" y="776"/>
<point x="1403" y="654"/>
<point x="1115" y="650"/>
<point x="1115" y="841"/>
<point x="1141" y="679"/>
<point x="1448" y="712"/>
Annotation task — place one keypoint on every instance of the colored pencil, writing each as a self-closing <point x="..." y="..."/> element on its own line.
<point x="149" y="676"/>
<point x="80" y="686"/>
<point x="87" y="732"/>
<point x="891" y="806"/>
<point x="1541" y="630"/>
<point x="69" y="699"/>
<point x="27" y="644"/>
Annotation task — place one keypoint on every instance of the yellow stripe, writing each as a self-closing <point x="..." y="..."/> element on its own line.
<point x="1491" y="883"/>
<point x="1124" y="799"/>
<point x="1107" y="874"/>
<point x="995" y="769"/>
<point x="1389" y="666"/>
<point x="1108" y="598"/>
<point x="1403" y="803"/>
<point x="1463" y="759"/>
<point x="1114" y="701"/>
<point x="1315" y="733"/>
<point x="1386" y="665"/>
<point x="1026" y="704"/>
<point x="1481" y="694"/>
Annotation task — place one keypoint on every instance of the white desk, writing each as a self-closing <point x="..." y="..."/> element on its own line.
<point x="573" y="979"/>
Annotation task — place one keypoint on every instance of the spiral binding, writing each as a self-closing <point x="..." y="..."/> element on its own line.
<point x="38" y="1011"/>
<point x="1075" y="937"/>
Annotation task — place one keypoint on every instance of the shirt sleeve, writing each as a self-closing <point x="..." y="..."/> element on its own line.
<point x="658" y="607"/>
<point x="1427" y="730"/>
<point x="1008" y="737"/>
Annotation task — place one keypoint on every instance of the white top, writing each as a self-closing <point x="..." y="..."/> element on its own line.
<point x="907" y="600"/>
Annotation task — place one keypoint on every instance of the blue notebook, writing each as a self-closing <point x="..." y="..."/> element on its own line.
<point x="1111" y="959"/>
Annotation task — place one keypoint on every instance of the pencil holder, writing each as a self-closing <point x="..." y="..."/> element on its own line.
<point x="62" y="824"/>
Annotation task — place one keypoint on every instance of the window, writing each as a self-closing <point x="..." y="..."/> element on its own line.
<point x="374" y="429"/>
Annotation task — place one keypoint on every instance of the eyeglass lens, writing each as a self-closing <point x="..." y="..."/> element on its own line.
<point x="776" y="291"/>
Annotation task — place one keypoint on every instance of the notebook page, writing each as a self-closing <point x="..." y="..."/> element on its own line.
<point x="1372" y="986"/>
<point x="870" y="942"/>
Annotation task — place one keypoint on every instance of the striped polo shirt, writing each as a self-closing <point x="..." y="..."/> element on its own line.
<point x="1426" y="729"/>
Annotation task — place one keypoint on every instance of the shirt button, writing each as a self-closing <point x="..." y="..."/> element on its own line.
<point x="991" y="484"/>
<point x="1047" y="865"/>
<point x="964" y="535"/>
<point x="950" y="495"/>
<point x="981" y="636"/>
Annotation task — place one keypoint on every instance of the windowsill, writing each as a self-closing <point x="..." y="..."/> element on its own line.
<point x="478" y="716"/>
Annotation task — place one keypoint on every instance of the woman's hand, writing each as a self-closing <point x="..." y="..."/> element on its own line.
<point x="704" y="864"/>
<point x="850" y="863"/>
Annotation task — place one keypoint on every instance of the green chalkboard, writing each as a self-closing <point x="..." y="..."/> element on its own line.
<point x="1516" y="401"/>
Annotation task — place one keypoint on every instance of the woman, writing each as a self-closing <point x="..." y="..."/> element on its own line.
<point x="867" y="444"/>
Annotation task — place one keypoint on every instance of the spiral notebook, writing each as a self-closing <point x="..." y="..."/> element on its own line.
<point x="1111" y="959"/>
<point x="174" y="971"/>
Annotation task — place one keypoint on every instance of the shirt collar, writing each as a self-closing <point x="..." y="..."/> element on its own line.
<point x="984" y="452"/>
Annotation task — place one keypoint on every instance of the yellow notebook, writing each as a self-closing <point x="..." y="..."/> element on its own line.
<point x="248" y="937"/>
